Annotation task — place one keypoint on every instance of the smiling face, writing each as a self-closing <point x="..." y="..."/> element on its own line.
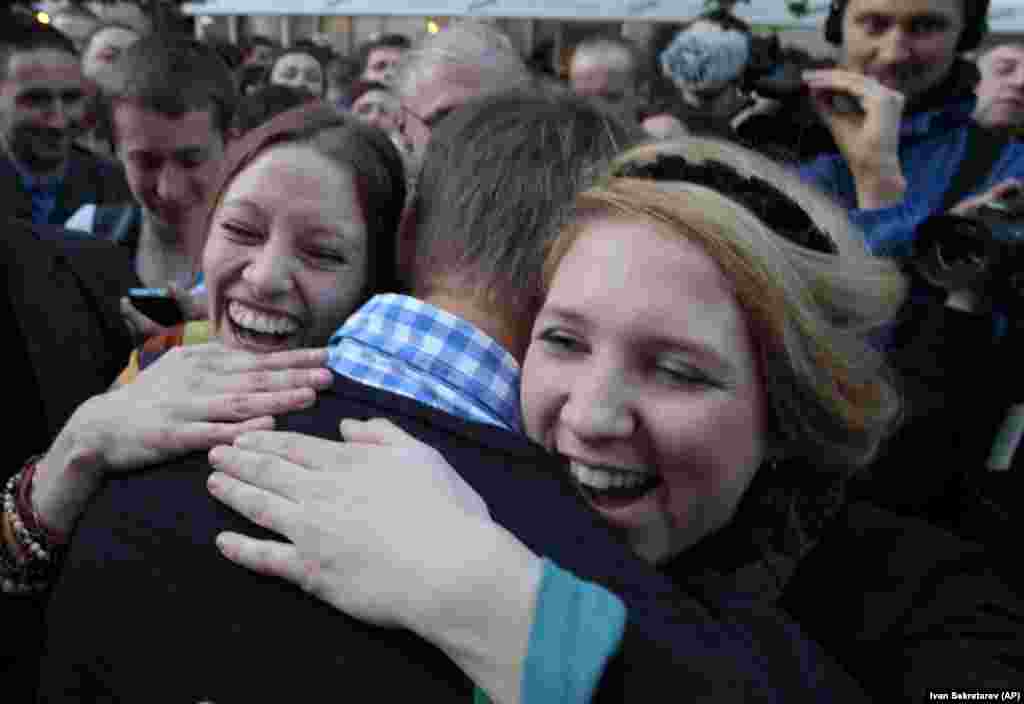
<point x="907" y="46"/>
<point x="642" y="372"/>
<point x="1001" y="88"/>
<point x="42" y="107"/>
<point x="286" y="259"/>
<point x="299" y="71"/>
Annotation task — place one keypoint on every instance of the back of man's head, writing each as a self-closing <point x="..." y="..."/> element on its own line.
<point x="172" y="76"/>
<point x="498" y="177"/>
<point x="467" y="48"/>
<point x="23" y="34"/>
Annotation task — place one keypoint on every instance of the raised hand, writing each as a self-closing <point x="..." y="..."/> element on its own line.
<point x="868" y="137"/>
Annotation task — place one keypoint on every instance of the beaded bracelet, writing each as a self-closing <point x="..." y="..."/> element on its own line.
<point x="33" y="567"/>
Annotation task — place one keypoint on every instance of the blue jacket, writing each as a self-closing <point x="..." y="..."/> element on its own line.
<point x="932" y="145"/>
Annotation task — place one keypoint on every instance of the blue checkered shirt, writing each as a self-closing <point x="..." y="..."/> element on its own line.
<point x="408" y="347"/>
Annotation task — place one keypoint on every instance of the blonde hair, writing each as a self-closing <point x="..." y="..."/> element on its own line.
<point x="829" y="392"/>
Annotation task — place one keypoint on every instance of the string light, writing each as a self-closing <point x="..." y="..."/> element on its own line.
<point x="43" y="18"/>
<point x="433" y="27"/>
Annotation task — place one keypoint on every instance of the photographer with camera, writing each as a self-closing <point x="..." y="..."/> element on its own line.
<point x="909" y="136"/>
<point x="910" y="150"/>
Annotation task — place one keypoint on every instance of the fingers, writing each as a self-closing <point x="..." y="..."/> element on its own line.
<point x="304" y="450"/>
<point x="212" y="368"/>
<point x="193" y="305"/>
<point x="230" y="360"/>
<point x="192" y="437"/>
<point x="826" y="85"/>
<point x="241" y="406"/>
<point x="264" y="508"/>
<point x="269" y="473"/>
<point x="142" y="326"/>
<point x="377" y="431"/>
<point x="266" y="557"/>
<point x="997" y="192"/>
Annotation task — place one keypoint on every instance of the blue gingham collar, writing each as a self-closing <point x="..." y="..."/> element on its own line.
<point x="442" y="346"/>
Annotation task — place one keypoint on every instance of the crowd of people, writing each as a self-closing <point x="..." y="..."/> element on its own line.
<point x="512" y="389"/>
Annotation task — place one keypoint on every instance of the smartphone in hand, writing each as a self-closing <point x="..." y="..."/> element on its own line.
<point x="157" y="304"/>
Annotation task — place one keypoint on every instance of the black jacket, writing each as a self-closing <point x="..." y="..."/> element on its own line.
<point x="148" y="610"/>
<point x="66" y="342"/>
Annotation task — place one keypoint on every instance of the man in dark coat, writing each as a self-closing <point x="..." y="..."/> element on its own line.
<point x="44" y="176"/>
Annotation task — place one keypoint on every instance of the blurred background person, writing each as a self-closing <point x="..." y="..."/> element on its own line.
<point x="1001" y="88"/>
<point x="379" y="57"/>
<point x="259" y="50"/>
<point x="263" y="103"/>
<point x="44" y="108"/>
<point x="102" y="49"/>
<point x="376" y="104"/>
<point x="603" y="67"/>
<point x="76" y="23"/>
<point x="299" y="67"/>
<point x="342" y="73"/>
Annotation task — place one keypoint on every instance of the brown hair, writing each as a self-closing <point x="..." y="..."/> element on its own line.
<point x="373" y="160"/>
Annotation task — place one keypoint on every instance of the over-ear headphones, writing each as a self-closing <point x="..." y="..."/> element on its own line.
<point x="975" y="23"/>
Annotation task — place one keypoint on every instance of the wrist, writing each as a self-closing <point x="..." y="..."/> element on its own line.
<point x="879" y="186"/>
<point x="66" y="478"/>
<point x="481" y="613"/>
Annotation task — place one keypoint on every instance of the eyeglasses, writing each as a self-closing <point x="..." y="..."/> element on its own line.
<point x="771" y="206"/>
<point x="430" y="121"/>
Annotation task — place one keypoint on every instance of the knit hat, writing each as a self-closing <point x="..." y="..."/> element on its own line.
<point x="704" y="57"/>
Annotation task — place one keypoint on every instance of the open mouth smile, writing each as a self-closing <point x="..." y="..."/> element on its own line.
<point x="611" y="487"/>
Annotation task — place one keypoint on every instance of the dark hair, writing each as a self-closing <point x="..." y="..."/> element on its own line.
<point x="318" y="55"/>
<point x="498" y="176"/>
<point x="975" y="23"/>
<point x="259" y="40"/>
<point x="385" y="41"/>
<point x="266" y="102"/>
<point x="175" y="75"/>
<point x="232" y="54"/>
<point x="250" y="76"/>
<point x="375" y="164"/>
<point x="23" y="34"/>
<point x="342" y="72"/>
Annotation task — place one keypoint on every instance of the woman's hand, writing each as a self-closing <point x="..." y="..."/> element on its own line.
<point x="868" y="137"/>
<point x="192" y="398"/>
<point x="383" y="529"/>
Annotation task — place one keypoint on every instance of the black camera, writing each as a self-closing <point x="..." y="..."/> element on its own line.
<point x="982" y="251"/>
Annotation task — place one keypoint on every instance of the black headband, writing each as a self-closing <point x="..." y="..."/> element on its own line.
<point x="773" y="207"/>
